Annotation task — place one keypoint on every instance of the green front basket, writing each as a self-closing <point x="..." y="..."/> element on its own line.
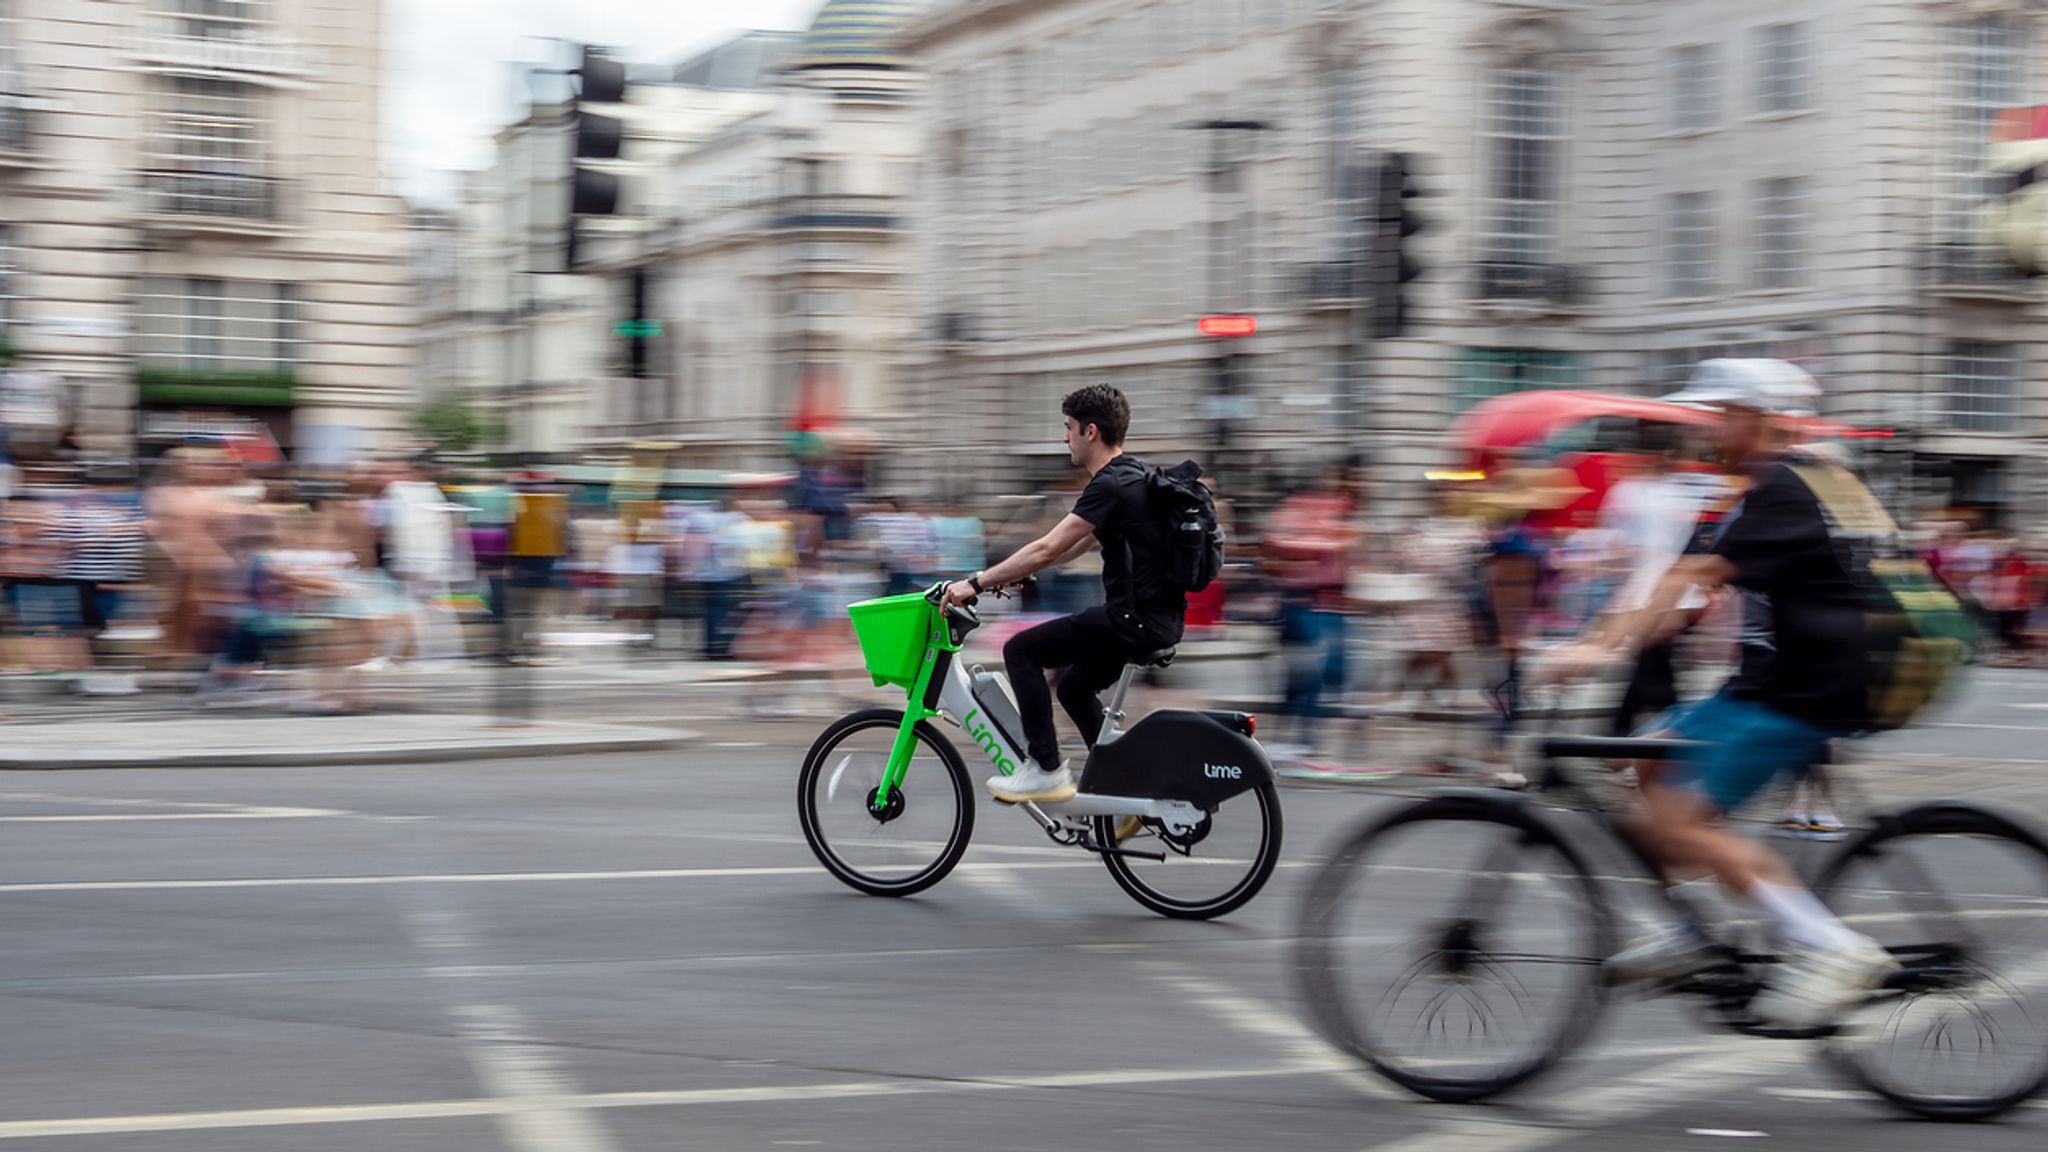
<point x="894" y="632"/>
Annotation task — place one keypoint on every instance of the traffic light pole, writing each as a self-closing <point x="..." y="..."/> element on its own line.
<point x="1223" y="365"/>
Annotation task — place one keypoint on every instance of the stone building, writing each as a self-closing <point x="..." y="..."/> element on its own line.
<point x="773" y="254"/>
<point x="1618" y="190"/>
<point x="194" y="232"/>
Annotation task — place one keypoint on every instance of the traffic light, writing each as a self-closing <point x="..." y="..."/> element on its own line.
<point x="638" y="329"/>
<point x="593" y="191"/>
<point x="1389" y="265"/>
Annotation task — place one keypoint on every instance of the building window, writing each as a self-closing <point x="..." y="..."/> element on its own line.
<point x="831" y="251"/>
<point x="1980" y="386"/>
<point x="1484" y="373"/>
<point x="1670" y="368"/>
<point x="10" y="284"/>
<point x="1782" y="61"/>
<point x="1695" y="87"/>
<point x="206" y="151"/>
<point x="1689" y="244"/>
<point x="1781" y="232"/>
<point x="216" y="19"/>
<point x="10" y="80"/>
<point x="814" y="303"/>
<point x="206" y="325"/>
<point x="1524" y="132"/>
<point x="1987" y="69"/>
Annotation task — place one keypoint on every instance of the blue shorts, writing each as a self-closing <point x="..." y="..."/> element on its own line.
<point x="1744" y="745"/>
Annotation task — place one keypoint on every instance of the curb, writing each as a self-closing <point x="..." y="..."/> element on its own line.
<point x="617" y="739"/>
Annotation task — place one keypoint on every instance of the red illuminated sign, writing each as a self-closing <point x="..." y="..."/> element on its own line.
<point x="1228" y="325"/>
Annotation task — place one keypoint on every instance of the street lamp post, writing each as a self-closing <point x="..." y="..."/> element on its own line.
<point x="1223" y="371"/>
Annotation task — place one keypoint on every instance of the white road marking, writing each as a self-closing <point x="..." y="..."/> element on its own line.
<point x="497" y="1040"/>
<point x="1254" y="1017"/>
<point x="444" y="1109"/>
<point x="1833" y="1094"/>
<point x="477" y="878"/>
<point x="141" y="817"/>
<point x="1729" y="1062"/>
<point x="178" y="809"/>
<point x="1730" y="1133"/>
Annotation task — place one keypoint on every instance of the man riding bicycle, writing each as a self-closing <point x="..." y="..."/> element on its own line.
<point x="1803" y="681"/>
<point x="1144" y="610"/>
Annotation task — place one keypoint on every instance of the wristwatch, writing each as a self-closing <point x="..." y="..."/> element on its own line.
<point x="974" y="582"/>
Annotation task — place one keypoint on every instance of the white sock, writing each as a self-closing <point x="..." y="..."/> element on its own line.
<point x="1800" y="917"/>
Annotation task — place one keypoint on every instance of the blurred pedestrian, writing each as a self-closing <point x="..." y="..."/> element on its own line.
<point x="1310" y="544"/>
<point x="904" y="542"/>
<point x="1654" y="516"/>
<point x="427" y="555"/>
<point x="197" y="514"/>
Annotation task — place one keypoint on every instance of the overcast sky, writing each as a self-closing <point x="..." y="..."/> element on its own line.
<point x="447" y="86"/>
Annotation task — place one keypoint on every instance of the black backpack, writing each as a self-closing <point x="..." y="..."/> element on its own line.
<point x="1187" y="525"/>
<point x="1917" y="633"/>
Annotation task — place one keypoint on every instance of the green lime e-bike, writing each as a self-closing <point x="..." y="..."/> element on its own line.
<point x="1181" y="806"/>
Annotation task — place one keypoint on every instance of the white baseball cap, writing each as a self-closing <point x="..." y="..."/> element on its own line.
<point x="1773" y="386"/>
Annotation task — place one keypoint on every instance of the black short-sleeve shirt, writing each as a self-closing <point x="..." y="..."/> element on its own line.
<point x="1143" y="605"/>
<point x="1803" y="649"/>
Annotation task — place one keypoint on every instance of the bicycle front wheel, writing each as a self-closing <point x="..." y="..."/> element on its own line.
<point x="1959" y="895"/>
<point x="1455" y="946"/>
<point x="891" y="845"/>
<point x="1210" y="869"/>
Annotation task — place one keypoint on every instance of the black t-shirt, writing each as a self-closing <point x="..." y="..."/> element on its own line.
<point x="1143" y="605"/>
<point x="1803" y="649"/>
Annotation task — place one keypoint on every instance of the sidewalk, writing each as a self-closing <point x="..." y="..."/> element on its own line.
<point x="292" y="741"/>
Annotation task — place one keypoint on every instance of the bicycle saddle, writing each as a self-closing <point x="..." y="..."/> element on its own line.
<point x="1159" y="659"/>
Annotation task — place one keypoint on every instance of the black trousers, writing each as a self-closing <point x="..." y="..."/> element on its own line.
<point x="1092" y="655"/>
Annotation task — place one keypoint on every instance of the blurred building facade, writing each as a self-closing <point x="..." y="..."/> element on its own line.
<point x="194" y="233"/>
<point x="529" y="342"/>
<point x="1618" y="191"/>
<point x="773" y="255"/>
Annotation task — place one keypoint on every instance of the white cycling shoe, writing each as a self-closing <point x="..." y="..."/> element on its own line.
<point x="1814" y="986"/>
<point x="1033" y="783"/>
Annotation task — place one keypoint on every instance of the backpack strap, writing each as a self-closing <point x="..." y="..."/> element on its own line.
<point x="1851" y="508"/>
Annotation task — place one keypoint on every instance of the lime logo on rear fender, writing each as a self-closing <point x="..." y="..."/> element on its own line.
<point x="984" y="735"/>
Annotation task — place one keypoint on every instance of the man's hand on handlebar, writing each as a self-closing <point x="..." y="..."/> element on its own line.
<point x="964" y="591"/>
<point x="1577" y="661"/>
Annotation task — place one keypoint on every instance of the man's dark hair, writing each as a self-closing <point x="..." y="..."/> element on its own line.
<point x="1102" y="406"/>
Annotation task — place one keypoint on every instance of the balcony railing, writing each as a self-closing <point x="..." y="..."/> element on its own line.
<point x="224" y="200"/>
<point x="169" y="42"/>
<point x="836" y="212"/>
<point x="1329" y="283"/>
<point x="1521" y="280"/>
<point x="1974" y="270"/>
<point x="14" y="134"/>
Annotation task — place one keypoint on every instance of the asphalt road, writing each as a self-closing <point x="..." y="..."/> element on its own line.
<point x="638" y="952"/>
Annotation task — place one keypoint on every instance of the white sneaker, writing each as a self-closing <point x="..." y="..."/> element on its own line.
<point x="1033" y="783"/>
<point x="1814" y="986"/>
<point x="1661" y="956"/>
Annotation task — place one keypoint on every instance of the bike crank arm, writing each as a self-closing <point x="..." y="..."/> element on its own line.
<point x="1088" y="842"/>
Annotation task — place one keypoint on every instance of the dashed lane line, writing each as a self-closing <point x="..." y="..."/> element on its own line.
<point x="786" y="1094"/>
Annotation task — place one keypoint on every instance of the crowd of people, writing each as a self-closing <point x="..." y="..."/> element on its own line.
<point x="251" y="577"/>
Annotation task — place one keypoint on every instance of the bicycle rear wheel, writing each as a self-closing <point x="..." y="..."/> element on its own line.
<point x="1959" y="894"/>
<point x="1207" y="872"/>
<point x="884" y="846"/>
<point x="1455" y="946"/>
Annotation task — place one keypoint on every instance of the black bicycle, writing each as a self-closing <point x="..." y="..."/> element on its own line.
<point x="1456" y="944"/>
